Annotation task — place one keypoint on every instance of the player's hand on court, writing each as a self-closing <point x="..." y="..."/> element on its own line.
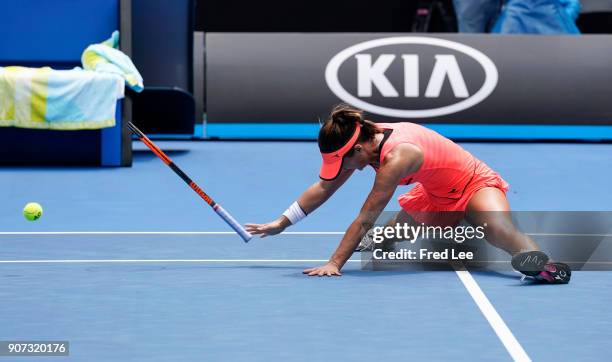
<point x="327" y="270"/>
<point x="271" y="228"/>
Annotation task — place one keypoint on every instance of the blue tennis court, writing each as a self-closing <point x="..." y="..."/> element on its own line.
<point x="147" y="145"/>
<point x="128" y="265"/>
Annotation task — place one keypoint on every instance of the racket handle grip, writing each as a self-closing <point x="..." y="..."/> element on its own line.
<point x="233" y="223"/>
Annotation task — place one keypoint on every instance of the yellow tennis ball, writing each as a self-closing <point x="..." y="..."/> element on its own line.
<point x="32" y="211"/>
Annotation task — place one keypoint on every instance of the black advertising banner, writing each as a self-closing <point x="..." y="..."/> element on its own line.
<point x="450" y="78"/>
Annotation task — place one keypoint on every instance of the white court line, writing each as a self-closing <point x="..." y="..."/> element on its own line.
<point x="67" y="261"/>
<point x="495" y="320"/>
<point x="158" y="233"/>
<point x="555" y="234"/>
<point x="94" y="261"/>
<point x="225" y="233"/>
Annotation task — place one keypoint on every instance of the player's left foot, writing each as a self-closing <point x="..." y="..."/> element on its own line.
<point x="530" y="263"/>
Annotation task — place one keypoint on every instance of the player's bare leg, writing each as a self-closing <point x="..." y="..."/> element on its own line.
<point x="490" y="207"/>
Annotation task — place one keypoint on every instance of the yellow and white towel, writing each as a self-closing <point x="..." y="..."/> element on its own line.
<point x="68" y="99"/>
<point x="105" y="57"/>
<point x="58" y="99"/>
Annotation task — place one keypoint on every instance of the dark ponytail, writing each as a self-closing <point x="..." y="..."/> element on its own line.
<point x="340" y="126"/>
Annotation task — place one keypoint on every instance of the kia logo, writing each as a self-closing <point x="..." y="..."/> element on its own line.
<point x="371" y="74"/>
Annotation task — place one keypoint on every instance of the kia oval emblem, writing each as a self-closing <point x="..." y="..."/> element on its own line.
<point x="371" y="73"/>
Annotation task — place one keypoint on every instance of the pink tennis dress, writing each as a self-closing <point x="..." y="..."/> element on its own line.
<point x="447" y="179"/>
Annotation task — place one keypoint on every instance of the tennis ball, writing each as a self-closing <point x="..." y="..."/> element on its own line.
<point x="32" y="211"/>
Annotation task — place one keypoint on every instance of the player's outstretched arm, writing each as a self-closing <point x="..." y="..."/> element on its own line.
<point x="402" y="160"/>
<point x="381" y="193"/>
<point x="314" y="196"/>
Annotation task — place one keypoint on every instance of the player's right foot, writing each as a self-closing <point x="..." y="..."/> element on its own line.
<point x="367" y="242"/>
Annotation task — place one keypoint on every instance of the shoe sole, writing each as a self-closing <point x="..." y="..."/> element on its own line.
<point x="530" y="263"/>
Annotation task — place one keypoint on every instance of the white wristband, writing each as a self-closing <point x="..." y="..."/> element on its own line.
<point x="294" y="213"/>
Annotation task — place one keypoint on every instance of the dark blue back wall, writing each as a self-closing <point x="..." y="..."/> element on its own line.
<point x="53" y="31"/>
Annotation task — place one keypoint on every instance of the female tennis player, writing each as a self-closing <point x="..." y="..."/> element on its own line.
<point x="451" y="184"/>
